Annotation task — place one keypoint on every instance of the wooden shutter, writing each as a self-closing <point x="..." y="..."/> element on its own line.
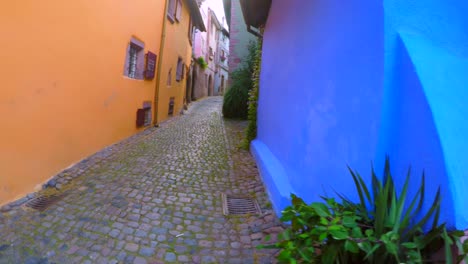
<point x="140" y="121"/>
<point x="150" y="65"/>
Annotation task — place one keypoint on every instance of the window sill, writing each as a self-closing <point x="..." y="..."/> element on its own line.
<point x="134" y="79"/>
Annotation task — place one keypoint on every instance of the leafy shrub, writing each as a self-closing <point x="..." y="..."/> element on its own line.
<point x="381" y="228"/>
<point x="251" y="132"/>
<point x="201" y="61"/>
<point x="235" y="104"/>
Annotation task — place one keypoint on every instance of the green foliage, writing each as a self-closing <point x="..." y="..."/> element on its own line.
<point x="251" y="132"/>
<point x="235" y="104"/>
<point x="381" y="228"/>
<point x="201" y="61"/>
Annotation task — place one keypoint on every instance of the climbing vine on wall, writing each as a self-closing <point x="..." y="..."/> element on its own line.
<point x="251" y="132"/>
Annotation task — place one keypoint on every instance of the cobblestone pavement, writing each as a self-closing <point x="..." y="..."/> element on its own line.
<point x="152" y="198"/>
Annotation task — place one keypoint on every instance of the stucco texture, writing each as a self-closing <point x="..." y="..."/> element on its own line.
<point x="63" y="94"/>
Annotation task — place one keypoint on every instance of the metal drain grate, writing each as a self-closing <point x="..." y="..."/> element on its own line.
<point x="43" y="202"/>
<point x="239" y="205"/>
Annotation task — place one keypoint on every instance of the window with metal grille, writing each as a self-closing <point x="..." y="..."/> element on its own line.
<point x="132" y="63"/>
<point x="135" y="60"/>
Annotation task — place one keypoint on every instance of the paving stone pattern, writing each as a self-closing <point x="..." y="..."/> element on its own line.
<point x="152" y="198"/>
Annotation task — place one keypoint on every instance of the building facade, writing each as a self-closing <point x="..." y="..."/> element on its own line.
<point x="360" y="81"/>
<point x="239" y="37"/>
<point x="77" y="77"/>
<point x="222" y="62"/>
<point x="180" y="19"/>
<point x="206" y="45"/>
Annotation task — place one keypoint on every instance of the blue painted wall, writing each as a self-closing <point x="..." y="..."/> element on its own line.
<point x="320" y="96"/>
<point x="345" y="83"/>
<point x="424" y="120"/>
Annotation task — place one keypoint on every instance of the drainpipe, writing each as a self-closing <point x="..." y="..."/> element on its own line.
<point x="158" y="73"/>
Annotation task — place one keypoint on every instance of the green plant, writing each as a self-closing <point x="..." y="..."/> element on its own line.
<point x="235" y="103"/>
<point x="381" y="228"/>
<point x="251" y="132"/>
<point x="201" y="61"/>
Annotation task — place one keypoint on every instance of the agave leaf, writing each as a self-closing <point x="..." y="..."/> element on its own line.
<point x="392" y="211"/>
<point x="435" y="206"/>
<point x="421" y="198"/>
<point x="435" y="221"/>
<point x="408" y="213"/>
<point x="381" y="206"/>
<point x="448" y="247"/>
<point x="376" y="184"/>
<point x="364" y="188"/>
<point x="358" y="187"/>
<point x="401" y="202"/>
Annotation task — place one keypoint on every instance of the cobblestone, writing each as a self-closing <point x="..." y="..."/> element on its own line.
<point x="152" y="198"/>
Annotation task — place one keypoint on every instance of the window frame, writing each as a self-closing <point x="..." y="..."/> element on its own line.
<point x="135" y="60"/>
<point x="178" y="10"/>
<point x="191" y="29"/>
<point x="171" y="10"/>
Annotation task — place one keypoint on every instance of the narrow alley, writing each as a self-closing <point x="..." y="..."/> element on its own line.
<point x="152" y="198"/>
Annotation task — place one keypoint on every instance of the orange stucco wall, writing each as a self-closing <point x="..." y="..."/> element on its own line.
<point x="63" y="95"/>
<point x="176" y="45"/>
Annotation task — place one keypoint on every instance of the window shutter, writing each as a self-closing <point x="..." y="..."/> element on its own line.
<point x="178" y="14"/>
<point x="140" y="121"/>
<point x="171" y="10"/>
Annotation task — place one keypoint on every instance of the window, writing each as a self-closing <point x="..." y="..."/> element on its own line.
<point x="180" y="70"/>
<point x="169" y="77"/>
<point x="132" y="64"/>
<point x="174" y="10"/>
<point x="171" y="10"/>
<point x="135" y="61"/>
<point x="171" y="106"/>
<point x="144" y="115"/>
<point x="210" y="53"/>
<point x="190" y="31"/>
<point x="178" y="13"/>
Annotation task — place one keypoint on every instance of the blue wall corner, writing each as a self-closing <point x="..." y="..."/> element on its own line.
<point x="273" y="176"/>
<point x="409" y="134"/>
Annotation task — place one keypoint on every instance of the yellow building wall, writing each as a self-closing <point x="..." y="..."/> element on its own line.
<point x="176" y="45"/>
<point x="63" y="94"/>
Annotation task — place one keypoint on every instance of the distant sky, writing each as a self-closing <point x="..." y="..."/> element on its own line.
<point x="217" y="7"/>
